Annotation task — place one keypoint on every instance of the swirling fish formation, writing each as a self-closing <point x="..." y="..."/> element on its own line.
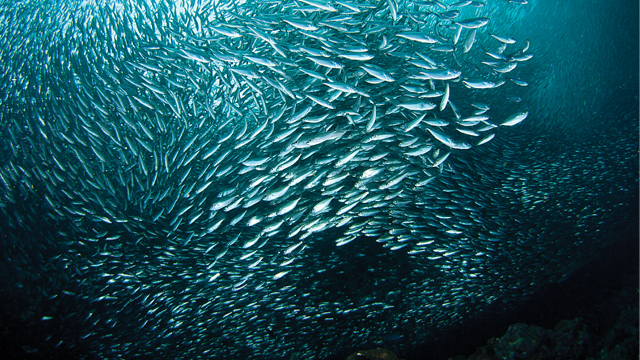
<point x="205" y="161"/>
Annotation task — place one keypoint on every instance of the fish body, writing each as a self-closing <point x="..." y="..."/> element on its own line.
<point x="515" y="119"/>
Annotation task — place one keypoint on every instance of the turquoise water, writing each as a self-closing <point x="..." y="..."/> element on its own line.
<point x="239" y="180"/>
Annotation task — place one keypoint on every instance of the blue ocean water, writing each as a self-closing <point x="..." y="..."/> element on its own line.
<point x="92" y="271"/>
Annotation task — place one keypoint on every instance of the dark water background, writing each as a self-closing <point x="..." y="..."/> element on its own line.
<point x="579" y="146"/>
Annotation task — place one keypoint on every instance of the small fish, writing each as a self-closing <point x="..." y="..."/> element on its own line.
<point x="515" y="119"/>
<point x="473" y="23"/>
<point x="217" y="170"/>
<point x="418" y="37"/>
<point x="418" y="105"/>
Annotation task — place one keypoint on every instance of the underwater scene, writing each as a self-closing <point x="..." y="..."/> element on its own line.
<point x="319" y="179"/>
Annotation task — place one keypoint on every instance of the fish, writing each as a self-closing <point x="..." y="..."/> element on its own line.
<point x="418" y="105"/>
<point x="474" y="23"/>
<point x="377" y="72"/>
<point x="468" y="43"/>
<point x="417" y="37"/>
<point x="212" y="174"/>
<point x="515" y="119"/>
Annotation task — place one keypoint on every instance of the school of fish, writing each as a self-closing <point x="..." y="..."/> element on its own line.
<point x="228" y="179"/>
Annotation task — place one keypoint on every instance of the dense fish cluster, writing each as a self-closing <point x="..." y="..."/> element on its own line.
<point x="247" y="178"/>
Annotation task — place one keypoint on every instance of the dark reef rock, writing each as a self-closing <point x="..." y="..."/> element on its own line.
<point x="570" y="339"/>
<point x="621" y="341"/>
<point x="373" y="354"/>
<point x="566" y="341"/>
